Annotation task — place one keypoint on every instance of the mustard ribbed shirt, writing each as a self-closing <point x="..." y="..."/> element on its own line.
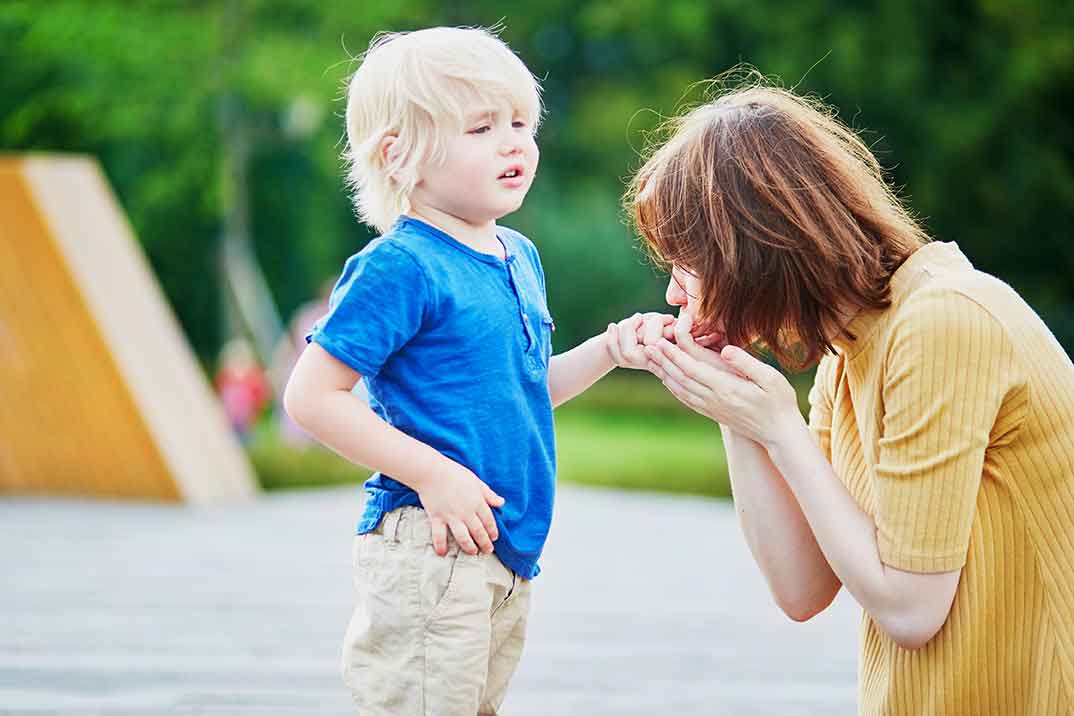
<point x="950" y="419"/>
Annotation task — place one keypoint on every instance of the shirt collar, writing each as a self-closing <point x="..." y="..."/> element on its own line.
<point x="922" y="263"/>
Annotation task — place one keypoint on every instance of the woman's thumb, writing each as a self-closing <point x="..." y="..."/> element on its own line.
<point x="683" y="339"/>
<point x="742" y="361"/>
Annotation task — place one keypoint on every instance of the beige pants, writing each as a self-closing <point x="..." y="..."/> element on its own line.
<point x="430" y="635"/>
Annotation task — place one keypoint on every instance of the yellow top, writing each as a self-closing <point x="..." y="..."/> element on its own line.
<point x="950" y="419"/>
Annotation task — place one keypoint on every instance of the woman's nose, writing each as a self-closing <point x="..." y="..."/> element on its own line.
<point x="675" y="295"/>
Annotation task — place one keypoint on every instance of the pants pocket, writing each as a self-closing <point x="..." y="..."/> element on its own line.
<point x="452" y="584"/>
<point x="382" y="649"/>
<point x="457" y="634"/>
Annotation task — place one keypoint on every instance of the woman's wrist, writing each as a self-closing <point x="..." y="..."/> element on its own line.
<point x="787" y="435"/>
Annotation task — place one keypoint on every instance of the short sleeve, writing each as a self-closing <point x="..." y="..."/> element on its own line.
<point x="378" y="304"/>
<point x="949" y="368"/>
<point x="820" y="406"/>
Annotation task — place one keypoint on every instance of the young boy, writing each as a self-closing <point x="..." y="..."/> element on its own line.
<point x="444" y="316"/>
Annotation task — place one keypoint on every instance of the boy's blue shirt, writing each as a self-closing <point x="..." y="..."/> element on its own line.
<point x="454" y="346"/>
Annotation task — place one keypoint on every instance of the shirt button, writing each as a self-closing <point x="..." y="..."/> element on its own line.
<point x="525" y="319"/>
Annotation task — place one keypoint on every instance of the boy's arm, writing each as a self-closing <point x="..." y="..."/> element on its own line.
<point x="621" y="345"/>
<point x="319" y="399"/>
<point x="572" y="372"/>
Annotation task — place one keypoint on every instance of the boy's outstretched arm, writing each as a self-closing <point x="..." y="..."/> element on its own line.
<point x="621" y="345"/>
<point x="318" y="397"/>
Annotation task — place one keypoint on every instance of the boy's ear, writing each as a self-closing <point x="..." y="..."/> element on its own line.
<point x="386" y="153"/>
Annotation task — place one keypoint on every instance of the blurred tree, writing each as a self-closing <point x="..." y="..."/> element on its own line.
<point x="967" y="102"/>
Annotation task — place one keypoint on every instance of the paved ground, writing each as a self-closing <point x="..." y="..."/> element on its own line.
<point x="647" y="605"/>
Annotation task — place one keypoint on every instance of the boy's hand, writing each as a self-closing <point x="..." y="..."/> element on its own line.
<point x="627" y="339"/>
<point x="459" y="501"/>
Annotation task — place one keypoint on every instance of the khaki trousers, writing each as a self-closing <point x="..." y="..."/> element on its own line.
<point x="430" y="635"/>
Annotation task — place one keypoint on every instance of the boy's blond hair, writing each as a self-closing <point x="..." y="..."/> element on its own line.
<point x="417" y="86"/>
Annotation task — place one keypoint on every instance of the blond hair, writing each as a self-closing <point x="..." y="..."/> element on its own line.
<point x="416" y="86"/>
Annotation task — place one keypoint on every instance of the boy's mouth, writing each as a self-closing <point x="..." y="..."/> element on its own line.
<point x="513" y="174"/>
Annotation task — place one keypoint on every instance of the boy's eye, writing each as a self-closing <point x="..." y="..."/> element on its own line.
<point x="480" y="130"/>
<point x="518" y="124"/>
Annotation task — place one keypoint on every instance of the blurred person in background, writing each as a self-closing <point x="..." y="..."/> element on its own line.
<point x="935" y="477"/>
<point x="242" y="385"/>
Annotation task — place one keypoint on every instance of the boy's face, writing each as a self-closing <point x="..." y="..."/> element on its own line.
<point x="487" y="170"/>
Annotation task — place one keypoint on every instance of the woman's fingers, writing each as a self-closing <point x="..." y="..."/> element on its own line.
<point x="668" y="355"/>
<point x="687" y="382"/>
<point x="683" y="338"/>
<point x="674" y="387"/>
<point x="756" y="371"/>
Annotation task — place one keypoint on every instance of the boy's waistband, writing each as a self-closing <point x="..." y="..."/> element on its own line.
<point x="407" y="524"/>
<point x="410" y="525"/>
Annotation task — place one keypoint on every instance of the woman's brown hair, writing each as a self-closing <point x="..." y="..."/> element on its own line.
<point x="781" y="211"/>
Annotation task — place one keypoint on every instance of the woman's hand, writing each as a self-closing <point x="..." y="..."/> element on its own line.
<point x="730" y="387"/>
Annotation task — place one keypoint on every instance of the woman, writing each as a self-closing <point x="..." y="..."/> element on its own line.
<point x="935" y="477"/>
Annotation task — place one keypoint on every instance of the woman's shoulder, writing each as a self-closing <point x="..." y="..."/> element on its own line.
<point x="949" y="289"/>
<point x="944" y="315"/>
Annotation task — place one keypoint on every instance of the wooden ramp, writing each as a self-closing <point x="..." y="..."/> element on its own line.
<point x="100" y="394"/>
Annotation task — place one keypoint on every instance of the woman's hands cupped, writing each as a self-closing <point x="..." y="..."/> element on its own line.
<point x="730" y="387"/>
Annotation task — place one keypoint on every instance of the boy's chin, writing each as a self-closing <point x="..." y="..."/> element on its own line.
<point x="505" y="210"/>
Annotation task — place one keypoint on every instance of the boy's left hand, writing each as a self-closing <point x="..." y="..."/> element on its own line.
<point x="627" y="339"/>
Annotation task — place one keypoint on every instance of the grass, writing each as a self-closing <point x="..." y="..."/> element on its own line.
<point x="280" y="466"/>
<point x="641" y="453"/>
<point x="627" y="432"/>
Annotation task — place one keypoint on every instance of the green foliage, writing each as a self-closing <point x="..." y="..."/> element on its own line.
<point x="280" y="466"/>
<point x="966" y="102"/>
<point x="629" y="432"/>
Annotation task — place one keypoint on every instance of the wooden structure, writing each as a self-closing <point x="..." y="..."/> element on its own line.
<point x="100" y="393"/>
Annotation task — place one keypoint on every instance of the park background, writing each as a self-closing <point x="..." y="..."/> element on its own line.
<point x="221" y="122"/>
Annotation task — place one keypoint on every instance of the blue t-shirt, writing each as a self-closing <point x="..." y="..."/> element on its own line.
<point x="454" y="345"/>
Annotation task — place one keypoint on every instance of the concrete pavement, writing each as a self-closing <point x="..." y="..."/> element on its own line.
<point x="648" y="604"/>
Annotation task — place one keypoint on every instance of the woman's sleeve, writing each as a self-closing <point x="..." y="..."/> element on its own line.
<point x="950" y="367"/>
